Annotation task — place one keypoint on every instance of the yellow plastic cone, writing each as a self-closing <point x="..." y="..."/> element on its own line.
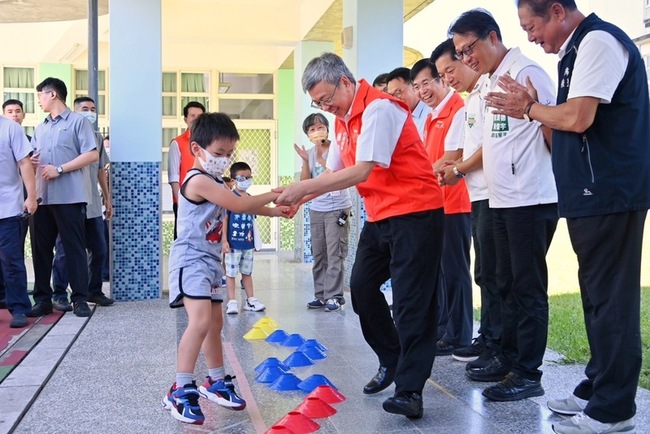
<point x="267" y="328"/>
<point x="268" y="321"/>
<point x="256" y="333"/>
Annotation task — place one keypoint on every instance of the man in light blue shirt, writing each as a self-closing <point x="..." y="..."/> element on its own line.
<point x="15" y="167"/>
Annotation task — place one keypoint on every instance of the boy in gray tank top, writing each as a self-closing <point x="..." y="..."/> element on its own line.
<point x="195" y="266"/>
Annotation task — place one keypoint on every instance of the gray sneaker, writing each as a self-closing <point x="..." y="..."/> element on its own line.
<point x="569" y="406"/>
<point x="583" y="424"/>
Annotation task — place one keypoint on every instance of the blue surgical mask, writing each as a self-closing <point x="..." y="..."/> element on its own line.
<point x="91" y="116"/>
<point x="244" y="184"/>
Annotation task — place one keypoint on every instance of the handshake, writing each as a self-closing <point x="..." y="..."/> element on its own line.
<point x="289" y="199"/>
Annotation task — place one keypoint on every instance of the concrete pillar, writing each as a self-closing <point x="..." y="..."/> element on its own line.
<point x="377" y="29"/>
<point x="376" y="46"/>
<point x="136" y="82"/>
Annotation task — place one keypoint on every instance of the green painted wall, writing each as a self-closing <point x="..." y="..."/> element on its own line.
<point x="62" y="71"/>
<point x="286" y="120"/>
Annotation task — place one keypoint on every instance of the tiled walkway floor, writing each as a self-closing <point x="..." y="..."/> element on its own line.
<point x="112" y="378"/>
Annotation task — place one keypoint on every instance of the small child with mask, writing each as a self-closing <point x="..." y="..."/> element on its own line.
<point x="240" y="240"/>
<point x="195" y="269"/>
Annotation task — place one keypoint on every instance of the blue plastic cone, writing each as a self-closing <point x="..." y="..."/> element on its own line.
<point x="298" y="358"/>
<point x="311" y="383"/>
<point x="270" y="374"/>
<point x="285" y="382"/>
<point x="313" y="352"/>
<point x="278" y="336"/>
<point x="315" y="343"/>
<point x="293" y="340"/>
<point x="271" y="361"/>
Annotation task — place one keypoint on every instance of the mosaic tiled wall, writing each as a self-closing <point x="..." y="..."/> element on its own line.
<point x="287" y="226"/>
<point x="137" y="232"/>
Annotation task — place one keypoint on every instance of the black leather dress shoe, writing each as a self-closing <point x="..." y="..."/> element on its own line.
<point x="380" y="381"/>
<point x="513" y="388"/>
<point x="100" y="299"/>
<point x="444" y="348"/>
<point x="40" y="309"/>
<point x="493" y="371"/>
<point x="81" y="309"/>
<point x="408" y="404"/>
<point x="61" y="305"/>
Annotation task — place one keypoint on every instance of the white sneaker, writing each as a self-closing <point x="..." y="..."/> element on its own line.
<point x="232" y="307"/>
<point x="583" y="424"/>
<point x="254" y="305"/>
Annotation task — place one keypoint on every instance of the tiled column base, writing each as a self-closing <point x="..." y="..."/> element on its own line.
<point x="137" y="234"/>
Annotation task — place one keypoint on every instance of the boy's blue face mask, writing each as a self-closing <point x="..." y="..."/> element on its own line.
<point x="243" y="183"/>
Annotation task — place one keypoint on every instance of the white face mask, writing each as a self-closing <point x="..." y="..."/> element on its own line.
<point x="91" y="116"/>
<point x="244" y="185"/>
<point x="215" y="166"/>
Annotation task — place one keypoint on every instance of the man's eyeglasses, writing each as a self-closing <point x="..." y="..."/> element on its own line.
<point x="327" y="101"/>
<point x="467" y="51"/>
<point x="398" y="93"/>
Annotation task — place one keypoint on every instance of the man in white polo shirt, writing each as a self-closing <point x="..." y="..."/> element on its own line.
<point x="517" y="166"/>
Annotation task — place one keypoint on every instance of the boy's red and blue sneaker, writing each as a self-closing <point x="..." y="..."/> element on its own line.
<point x="183" y="403"/>
<point x="222" y="391"/>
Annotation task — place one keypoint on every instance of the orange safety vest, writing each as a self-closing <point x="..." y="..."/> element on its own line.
<point x="435" y="132"/>
<point x="187" y="158"/>
<point x="408" y="185"/>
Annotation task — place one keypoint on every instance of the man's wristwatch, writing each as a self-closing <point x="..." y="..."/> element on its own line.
<point x="458" y="173"/>
<point x="527" y="111"/>
<point x="59" y="170"/>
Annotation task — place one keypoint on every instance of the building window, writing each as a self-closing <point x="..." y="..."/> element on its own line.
<point x="18" y="83"/>
<point x="194" y="86"/>
<point x="81" y="88"/>
<point x="247" y="96"/>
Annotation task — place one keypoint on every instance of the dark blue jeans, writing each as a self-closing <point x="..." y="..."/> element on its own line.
<point x="96" y="245"/>
<point x="12" y="264"/>
<point x="407" y="249"/>
<point x="609" y="255"/>
<point x="522" y="236"/>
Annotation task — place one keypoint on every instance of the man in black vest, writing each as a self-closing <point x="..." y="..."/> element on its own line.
<point x="601" y="161"/>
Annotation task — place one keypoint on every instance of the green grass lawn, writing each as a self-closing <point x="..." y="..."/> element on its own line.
<point x="567" y="336"/>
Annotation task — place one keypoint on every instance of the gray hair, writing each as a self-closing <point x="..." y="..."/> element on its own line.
<point x="313" y="119"/>
<point x="328" y="67"/>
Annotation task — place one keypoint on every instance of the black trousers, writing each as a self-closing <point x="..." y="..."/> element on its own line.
<point x="68" y="221"/>
<point x="485" y="267"/>
<point x="406" y="249"/>
<point x="455" y="294"/>
<point x="522" y="237"/>
<point x="609" y="256"/>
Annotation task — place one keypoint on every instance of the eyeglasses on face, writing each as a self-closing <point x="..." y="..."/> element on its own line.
<point x="467" y="51"/>
<point x="327" y="101"/>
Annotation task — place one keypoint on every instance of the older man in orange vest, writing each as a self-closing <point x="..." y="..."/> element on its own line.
<point x="180" y="158"/>
<point x="380" y="151"/>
